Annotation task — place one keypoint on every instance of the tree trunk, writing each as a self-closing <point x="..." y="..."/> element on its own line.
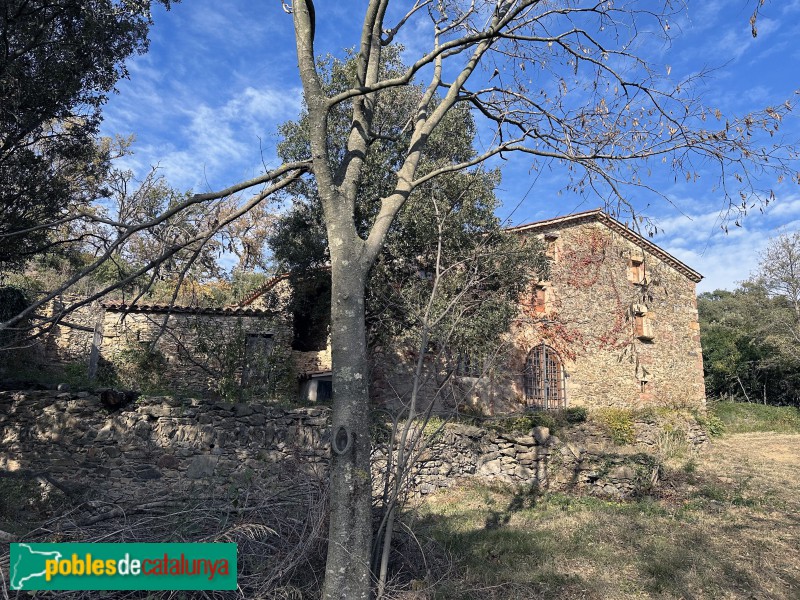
<point x="347" y="572"/>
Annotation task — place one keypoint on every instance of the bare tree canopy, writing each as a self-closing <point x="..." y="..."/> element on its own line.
<point x="570" y="85"/>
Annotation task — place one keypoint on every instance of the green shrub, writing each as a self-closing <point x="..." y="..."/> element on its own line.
<point x="711" y="423"/>
<point x="576" y="414"/>
<point x="619" y="422"/>
<point x="13" y="300"/>
<point x="526" y="422"/>
<point x="143" y="367"/>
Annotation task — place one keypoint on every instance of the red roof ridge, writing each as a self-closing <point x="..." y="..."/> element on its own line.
<point x="181" y="309"/>
<point x="262" y="289"/>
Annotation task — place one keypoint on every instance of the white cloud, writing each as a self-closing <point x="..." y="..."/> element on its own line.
<point x="725" y="259"/>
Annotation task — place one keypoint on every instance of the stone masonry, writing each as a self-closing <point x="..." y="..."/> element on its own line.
<point x="619" y="312"/>
<point x="165" y="447"/>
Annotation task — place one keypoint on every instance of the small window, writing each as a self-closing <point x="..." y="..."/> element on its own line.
<point x="636" y="271"/>
<point x="550" y="246"/>
<point x="539" y="299"/>
<point x="469" y="366"/>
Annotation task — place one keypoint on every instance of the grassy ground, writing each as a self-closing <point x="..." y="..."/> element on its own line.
<point x="743" y="417"/>
<point x="726" y="524"/>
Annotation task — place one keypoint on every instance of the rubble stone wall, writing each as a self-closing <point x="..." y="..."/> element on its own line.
<point x="71" y="340"/>
<point x="199" y="353"/>
<point x="162" y="446"/>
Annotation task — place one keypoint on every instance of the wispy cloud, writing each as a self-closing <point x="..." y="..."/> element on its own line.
<point x="208" y="142"/>
<point x="726" y="258"/>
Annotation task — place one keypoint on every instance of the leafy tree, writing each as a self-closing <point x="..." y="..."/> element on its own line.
<point x="400" y="283"/>
<point x="748" y="345"/>
<point x="58" y="62"/>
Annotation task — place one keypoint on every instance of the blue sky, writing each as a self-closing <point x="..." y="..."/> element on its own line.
<point x="206" y="101"/>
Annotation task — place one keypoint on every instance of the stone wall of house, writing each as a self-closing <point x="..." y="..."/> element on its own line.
<point x="161" y="446"/>
<point x="592" y="303"/>
<point x="218" y="352"/>
<point x="154" y="447"/>
<point x="594" y="312"/>
<point x="71" y="340"/>
<point x="313" y="361"/>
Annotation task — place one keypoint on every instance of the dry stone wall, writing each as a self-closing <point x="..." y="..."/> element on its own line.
<point x="162" y="446"/>
<point x="155" y="446"/>
<point x="71" y="340"/>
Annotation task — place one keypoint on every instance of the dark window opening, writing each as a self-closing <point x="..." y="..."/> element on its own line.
<point x="311" y="312"/>
<point x="544" y="382"/>
<point x="318" y="388"/>
<point x="469" y="366"/>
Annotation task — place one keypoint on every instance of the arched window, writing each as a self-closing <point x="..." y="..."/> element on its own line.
<point x="543" y="379"/>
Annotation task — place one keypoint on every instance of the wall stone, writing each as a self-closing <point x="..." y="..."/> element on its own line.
<point x="71" y="340"/>
<point x="591" y="303"/>
<point x="199" y="351"/>
<point x="590" y="319"/>
<point x="162" y="446"/>
<point x="156" y="446"/>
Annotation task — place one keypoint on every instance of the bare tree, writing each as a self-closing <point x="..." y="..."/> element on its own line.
<point x="593" y="105"/>
<point x="779" y="269"/>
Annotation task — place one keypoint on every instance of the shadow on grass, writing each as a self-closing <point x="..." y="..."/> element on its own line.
<point x="538" y="547"/>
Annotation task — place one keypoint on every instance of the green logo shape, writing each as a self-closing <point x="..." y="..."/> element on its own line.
<point x="123" y="567"/>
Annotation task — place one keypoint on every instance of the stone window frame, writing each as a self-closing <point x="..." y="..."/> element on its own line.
<point x="642" y="323"/>
<point x="544" y="379"/>
<point x="551" y="246"/>
<point x="539" y="298"/>
<point x="637" y="270"/>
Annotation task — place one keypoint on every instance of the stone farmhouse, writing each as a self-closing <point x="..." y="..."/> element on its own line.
<point x="615" y="324"/>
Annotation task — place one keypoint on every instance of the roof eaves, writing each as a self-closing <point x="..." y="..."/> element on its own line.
<point x="177" y="309"/>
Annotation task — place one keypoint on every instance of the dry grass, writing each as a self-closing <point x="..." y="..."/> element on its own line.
<point x="279" y="526"/>
<point x="725" y="525"/>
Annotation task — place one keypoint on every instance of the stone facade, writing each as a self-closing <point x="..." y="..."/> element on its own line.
<point x="616" y="324"/>
<point x="217" y="351"/>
